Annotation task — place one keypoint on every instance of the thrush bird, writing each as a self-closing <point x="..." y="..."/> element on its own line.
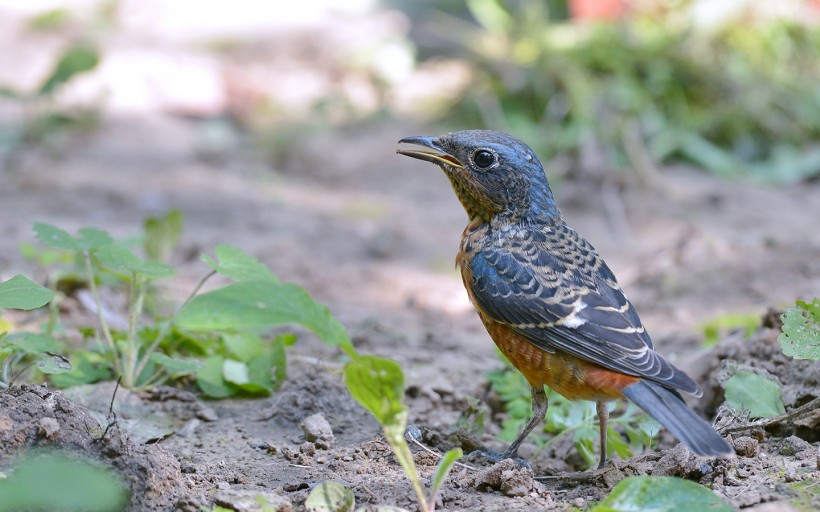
<point x="548" y="300"/>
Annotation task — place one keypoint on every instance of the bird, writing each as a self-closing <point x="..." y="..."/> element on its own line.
<point x="547" y="299"/>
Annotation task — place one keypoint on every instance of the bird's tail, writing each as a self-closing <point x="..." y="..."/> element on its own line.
<point x="667" y="407"/>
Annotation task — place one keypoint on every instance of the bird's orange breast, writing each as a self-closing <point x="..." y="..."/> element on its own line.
<point x="568" y="375"/>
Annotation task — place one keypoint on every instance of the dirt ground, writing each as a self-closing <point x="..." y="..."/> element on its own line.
<point x="373" y="235"/>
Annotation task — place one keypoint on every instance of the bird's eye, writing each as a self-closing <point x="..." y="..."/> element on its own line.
<point x="483" y="158"/>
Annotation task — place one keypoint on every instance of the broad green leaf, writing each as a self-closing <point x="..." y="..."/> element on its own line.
<point x="236" y="264"/>
<point x="262" y="303"/>
<point x="378" y="385"/>
<point x="33" y="343"/>
<point x="162" y="235"/>
<point x="61" y="482"/>
<point x="330" y="497"/>
<point x="86" y="239"/>
<point x="176" y="365"/>
<point x="52" y="363"/>
<point x="660" y="494"/>
<point x="209" y="379"/>
<point x="259" y="375"/>
<point x="19" y="292"/>
<point x="801" y="331"/>
<point x="244" y="344"/>
<point x="235" y="372"/>
<point x="77" y="59"/>
<point x="119" y="258"/>
<point x="760" y="395"/>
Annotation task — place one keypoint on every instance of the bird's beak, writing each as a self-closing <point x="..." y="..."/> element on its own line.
<point x="439" y="156"/>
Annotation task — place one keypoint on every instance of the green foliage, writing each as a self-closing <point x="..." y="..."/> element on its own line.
<point x="76" y="59"/>
<point x="714" y="329"/>
<point x="660" y="494"/>
<point x="565" y="417"/>
<point x="42" y="120"/>
<point x="378" y="385"/>
<point x="55" y="481"/>
<point x="801" y="331"/>
<point x="162" y="235"/>
<point x="219" y="337"/>
<point x="655" y="88"/>
<point x="761" y="396"/>
<point x="21" y="293"/>
<point x="330" y="497"/>
<point x="806" y="495"/>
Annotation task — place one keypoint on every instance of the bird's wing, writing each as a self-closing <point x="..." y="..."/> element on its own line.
<point x="553" y="289"/>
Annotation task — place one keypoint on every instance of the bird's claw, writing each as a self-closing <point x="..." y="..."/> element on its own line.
<point x="494" y="457"/>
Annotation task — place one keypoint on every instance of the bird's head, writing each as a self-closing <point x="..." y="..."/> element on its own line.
<point x="494" y="175"/>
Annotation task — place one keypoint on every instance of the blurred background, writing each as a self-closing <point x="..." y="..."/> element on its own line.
<point x="681" y="138"/>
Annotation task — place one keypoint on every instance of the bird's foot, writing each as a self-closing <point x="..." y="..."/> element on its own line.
<point x="494" y="457"/>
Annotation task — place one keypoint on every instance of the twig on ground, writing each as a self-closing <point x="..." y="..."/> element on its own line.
<point x="438" y="455"/>
<point x="768" y="422"/>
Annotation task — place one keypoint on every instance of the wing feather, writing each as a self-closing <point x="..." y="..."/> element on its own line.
<point x="553" y="289"/>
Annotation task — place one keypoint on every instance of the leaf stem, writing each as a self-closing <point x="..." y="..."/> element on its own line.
<point x="166" y="328"/>
<point x="95" y="294"/>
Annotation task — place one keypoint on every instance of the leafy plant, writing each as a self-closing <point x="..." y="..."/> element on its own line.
<point x="643" y="91"/>
<point x="660" y="494"/>
<point x="21" y="293"/>
<point x="713" y="329"/>
<point x="565" y="417"/>
<point x="761" y="396"/>
<point x="41" y="117"/>
<point x="58" y="481"/>
<point x="378" y="385"/>
<point x="801" y="331"/>
<point x="219" y="337"/>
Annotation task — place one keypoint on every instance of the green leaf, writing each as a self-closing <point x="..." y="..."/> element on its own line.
<point x="176" y="365"/>
<point x="209" y="379"/>
<point x="20" y="292"/>
<point x="616" y="444"/>
<point x="259" y="375"/>
<point x="77" y="59"/>
<point x="442" y="470"/>
<point x="52" y="363"/>
<point x="235" y="372"/>
<point x="87" y="239"/>
<point x="244" y="344"/>
<point x="86" y="367"/>
<point x="262" y="303"/>
<point x="378" y="385"/>
<point x="236" y="264"/>
<point x="61" y="482"/>
<point x="660" y="494"/>
<point x="760" y="395"/>
<point x="279" y="358"/>
<point x="119" y="258"/>
<point x="330" y="497"/>
<point x="32" y="343"/>
<point x="801" y="331"/>
<point x="162" y="235"/>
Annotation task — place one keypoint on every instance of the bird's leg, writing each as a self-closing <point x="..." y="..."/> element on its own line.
<point x="539" y="410"/>
<point x="603" y="416"/>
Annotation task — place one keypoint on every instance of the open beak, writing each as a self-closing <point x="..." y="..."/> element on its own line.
<point x="439" y="156"/>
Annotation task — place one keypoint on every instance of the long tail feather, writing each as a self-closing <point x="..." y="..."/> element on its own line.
<point x="667" y="407"/>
